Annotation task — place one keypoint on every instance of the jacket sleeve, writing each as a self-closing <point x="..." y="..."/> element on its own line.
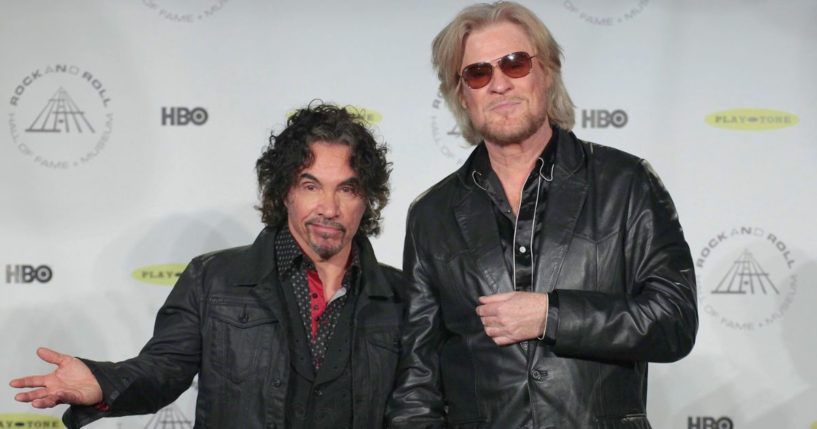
<point x="653" y="316"/>
<point x="164" y="368"/>
<point x="417" y="400"/>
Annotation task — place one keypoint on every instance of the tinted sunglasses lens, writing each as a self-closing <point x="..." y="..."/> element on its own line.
<point x="477" y="75"/>
<point x="516" y="65"/>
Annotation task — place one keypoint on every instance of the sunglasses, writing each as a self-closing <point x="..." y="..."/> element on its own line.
<point x="513" y="65"/>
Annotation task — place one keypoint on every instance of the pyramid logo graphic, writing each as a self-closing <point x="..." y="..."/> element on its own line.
<point x="60" y="115"/>
<point x="746" y="276"/>
<point x="169" y="418"/>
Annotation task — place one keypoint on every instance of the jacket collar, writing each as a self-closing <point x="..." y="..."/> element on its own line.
<point x="570" y="158"/>
<point x="257" y="263"/>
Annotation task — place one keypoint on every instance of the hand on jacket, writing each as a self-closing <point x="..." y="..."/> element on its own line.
<point x="71" y="383"/>
<point x="512" y="317"/>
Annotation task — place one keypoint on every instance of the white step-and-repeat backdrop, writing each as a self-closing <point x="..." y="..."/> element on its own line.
<point x="168" y="103"/>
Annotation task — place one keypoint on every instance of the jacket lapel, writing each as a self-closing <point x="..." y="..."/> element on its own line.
<point x="566" y="198"/>
<point x="474" y="216"/>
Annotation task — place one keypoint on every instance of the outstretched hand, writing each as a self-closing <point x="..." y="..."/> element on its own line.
<point x="71" y="383"/>
<point x="512" y="317"/>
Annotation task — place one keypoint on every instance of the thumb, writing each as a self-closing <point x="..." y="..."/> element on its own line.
<point x="51" y="356"/>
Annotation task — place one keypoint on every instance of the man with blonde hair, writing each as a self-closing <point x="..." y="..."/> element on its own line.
<point x="547" y="271"/>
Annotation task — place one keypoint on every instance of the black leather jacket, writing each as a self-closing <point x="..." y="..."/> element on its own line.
<point x="612" y="247"/>
<point x="226" y="321"/>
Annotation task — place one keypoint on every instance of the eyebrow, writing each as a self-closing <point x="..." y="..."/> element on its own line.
<point x="350" y="181"/>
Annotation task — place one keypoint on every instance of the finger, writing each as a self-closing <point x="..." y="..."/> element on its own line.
<point x="30" y="381"/>
<point x="51" y="356"/>
<point x="491" y="321"/>
<point x="47" y="402"/>
<point x="495" y="332"/>
<point x="31" y="396"/>
<point x="487" y="310"/>
<point x="502" y="340"/>
<point x="499" y="297"/>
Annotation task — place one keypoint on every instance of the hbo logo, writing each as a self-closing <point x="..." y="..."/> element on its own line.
<point x="28" y="274"/>
<point x="183" y="116"/>
<point x="709" y="423"/>
<point x="603" y="118"/>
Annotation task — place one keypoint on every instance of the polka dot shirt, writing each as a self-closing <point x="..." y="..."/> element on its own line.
<point x="319" y="316"/>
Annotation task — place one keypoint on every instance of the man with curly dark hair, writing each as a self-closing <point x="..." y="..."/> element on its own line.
<point x="298" y="330"/>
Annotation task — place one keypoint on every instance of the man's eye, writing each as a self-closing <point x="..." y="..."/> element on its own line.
<point x="309" y="186"/>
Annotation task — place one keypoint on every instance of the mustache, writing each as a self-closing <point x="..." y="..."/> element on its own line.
<point x="504" y="100"/>
<point x="326" y="222"/>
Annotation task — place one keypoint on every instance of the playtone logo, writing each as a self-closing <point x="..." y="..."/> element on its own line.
<point x="162" y="274"/>
<point x="180" y="116"/>
<point x="709" y="423"/>
<point x="26" y="274"/>
<point x="29" y="420"/>
<point x="369" y="116"/>
<point x="752" y="119"/>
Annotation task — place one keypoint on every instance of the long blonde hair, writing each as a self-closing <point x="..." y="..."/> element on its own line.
<point x="448" y="48"/>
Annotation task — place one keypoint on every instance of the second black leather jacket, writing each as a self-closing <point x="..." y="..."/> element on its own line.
<point x="613" y="248"/>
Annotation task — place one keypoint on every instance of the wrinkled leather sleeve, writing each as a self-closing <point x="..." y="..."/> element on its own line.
<point x="164" y="368"/>
<point x="655" y="318"/>
<point x="417" y="401"/>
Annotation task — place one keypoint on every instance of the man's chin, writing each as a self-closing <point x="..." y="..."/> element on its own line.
<point x="511" y="132"/>
<point x="326" y="251"/>
<point x="506" y="137"/>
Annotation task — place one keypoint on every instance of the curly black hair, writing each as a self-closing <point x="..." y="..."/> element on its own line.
<point x="288" y="154"/>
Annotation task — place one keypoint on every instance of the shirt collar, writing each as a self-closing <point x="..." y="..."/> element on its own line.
<point x="289" y="256"/>
<point x="481" y="169"/>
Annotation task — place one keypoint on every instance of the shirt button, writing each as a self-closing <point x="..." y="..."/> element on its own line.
<point x="522" y="249"/>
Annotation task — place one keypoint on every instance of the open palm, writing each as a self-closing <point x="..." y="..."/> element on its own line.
<point x="71" y="383"/>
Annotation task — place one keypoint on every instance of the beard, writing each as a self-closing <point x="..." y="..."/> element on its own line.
<point x="329" y="248"/>
<point x="504" y="131"/>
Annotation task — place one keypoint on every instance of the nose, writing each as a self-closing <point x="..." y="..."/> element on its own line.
<point x="328" y="205"/>
<point x="500" y="83"/>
